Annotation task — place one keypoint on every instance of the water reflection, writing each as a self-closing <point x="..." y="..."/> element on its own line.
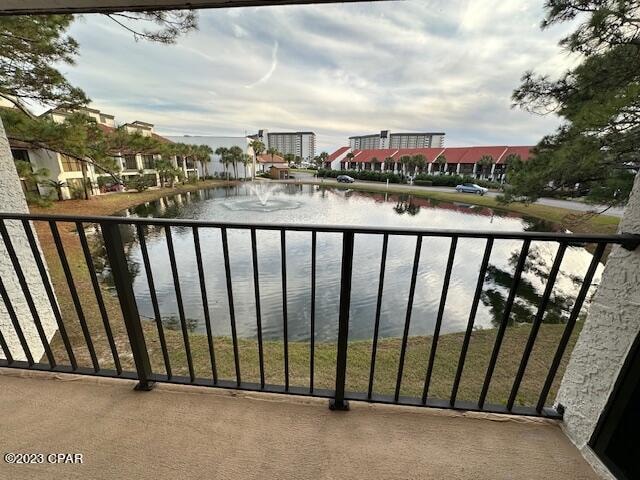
<point x="336" y="206"/>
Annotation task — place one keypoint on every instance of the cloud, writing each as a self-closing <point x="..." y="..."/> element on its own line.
<point x="336" y="69"/>
<point x="274" y="64"/>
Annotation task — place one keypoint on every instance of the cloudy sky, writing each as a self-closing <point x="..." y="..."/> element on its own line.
<point x="339" y="70"/>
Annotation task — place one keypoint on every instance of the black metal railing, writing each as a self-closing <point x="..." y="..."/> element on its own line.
<point x="140" y="368"/>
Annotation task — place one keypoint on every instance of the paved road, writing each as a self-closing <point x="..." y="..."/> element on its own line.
<point x="552" y="202"/>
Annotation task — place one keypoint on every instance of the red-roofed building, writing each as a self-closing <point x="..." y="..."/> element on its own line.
<point x="336" y="157"/>
<point x="488" y="162"/>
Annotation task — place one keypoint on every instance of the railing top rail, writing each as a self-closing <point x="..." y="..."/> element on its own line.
<point x="627" y="240"/>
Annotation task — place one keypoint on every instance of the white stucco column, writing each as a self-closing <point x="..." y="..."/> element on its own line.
<point x="458" y="169"/>
<point x="610" y="328"/>
<point x="493" y="171"/>
<point x="12" y="200"/>
<point x="429" y="168"/>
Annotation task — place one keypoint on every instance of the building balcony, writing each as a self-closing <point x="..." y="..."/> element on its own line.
<point x="192" y="432"/>
<point x="411" y="413"/>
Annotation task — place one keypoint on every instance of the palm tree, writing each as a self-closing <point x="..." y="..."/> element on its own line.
<point x="405" y="161"/>
<point x="246" y="159"/>
<point x="485" y="163"/>
<point x="419" y="162"/>
<point x="388" y="161"/>
<point x="290" y="158"/>
<point x="58" y="186"/>
<point x="273" y="152"/>
<point x="323" y="157"/>
<point x="223" y="152"/>
<point x="441" y="161"/>
<point x="204" y="154"/>
<point x="350" y="156"/>
<point x="258" y="147"/>
<point x="235" y="156"/>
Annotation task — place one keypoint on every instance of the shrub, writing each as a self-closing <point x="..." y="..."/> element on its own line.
<point x="38" y="200"/>
<point x="370" y="175"/>
<point x="452" y="181"/>
<point x="423" y="183"/>
<point x="136" y="182"/>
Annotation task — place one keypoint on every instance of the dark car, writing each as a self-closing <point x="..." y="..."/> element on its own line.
<point x="345" y="179"/>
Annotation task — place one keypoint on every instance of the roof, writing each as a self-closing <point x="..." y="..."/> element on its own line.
<point x="161" y="138"/>
<point x="266" y="158"/>
<point x="367" y="156"/>
<point x="290" y="133"/>
<point x="430" y="154"/>
<point x="525" y="153"/>
<point x="464" y="155"/>
<point x="141" y="123"/>
<point x="369" y="135"/>
<point x="413" y="134"/>
<point x="337" y="153"/>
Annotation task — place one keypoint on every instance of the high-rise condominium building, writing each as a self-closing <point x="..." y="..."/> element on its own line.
<point x="300" y="144"/>
<point x="386" y="139"/>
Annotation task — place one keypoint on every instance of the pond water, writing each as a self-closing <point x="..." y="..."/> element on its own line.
<point x="312" y="204"/>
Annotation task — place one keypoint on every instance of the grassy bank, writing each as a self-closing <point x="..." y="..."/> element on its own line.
<point x="573" y="220"/>
<point x="359" y="351"/>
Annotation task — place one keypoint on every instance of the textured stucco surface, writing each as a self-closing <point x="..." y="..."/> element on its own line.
<point x="12" y="200"/>
<point x="179" y="432"/>
<point x="610" y="328"/>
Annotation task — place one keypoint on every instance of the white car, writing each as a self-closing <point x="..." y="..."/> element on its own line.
<point x="471" y="188"/>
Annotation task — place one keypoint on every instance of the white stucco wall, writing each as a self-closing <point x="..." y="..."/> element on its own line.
<point x="12" y="200"/>
<point x="215" y="166"/>
<point x="611" y="326"/>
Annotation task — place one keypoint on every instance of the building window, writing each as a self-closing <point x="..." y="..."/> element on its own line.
<point x="130" y="162"/>
<point x="20" y="154"/>
<point x="70" y="164"/>
<point x="148" y="162"/>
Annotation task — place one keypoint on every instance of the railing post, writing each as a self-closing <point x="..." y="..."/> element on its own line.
<point x="122" y="280"/>
<point x="338" y="402"/>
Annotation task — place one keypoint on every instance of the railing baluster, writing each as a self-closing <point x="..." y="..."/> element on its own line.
<point x="96" y="289"/>
<point x="74" y="294"/>
<point x="46" y="282"/>
<point x="122" y="281"/>
<point x="176" y="284"/>
<point x="27" y="293"/>
<point x="256" y="289"/>
<point x="232" y="314"/>
<point x="5" y="349"/>
<point x="115" y="249"/>
<point x="376" y="327"/>
<point x="505" y="320"/>
<point x="16" y="323"/>
<point x="339" y="402"/>
<point x="568" y="330"/>
<point x="312" y="343"/>
<point x="535" y="326"/>
<point x="285" y="319"/>
<point x="154" y="299"/>
<point x="472" y="318"/>
<point x="436" y="330"/>
<point x="205" y="304"/>
<point x="405" y="335"/>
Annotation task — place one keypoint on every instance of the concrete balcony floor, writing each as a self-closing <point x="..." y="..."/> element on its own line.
<point x="189" y="432"/>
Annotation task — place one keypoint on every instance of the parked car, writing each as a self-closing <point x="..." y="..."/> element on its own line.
<point x="345" y="179"/>
<point x="471" y="188"/>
